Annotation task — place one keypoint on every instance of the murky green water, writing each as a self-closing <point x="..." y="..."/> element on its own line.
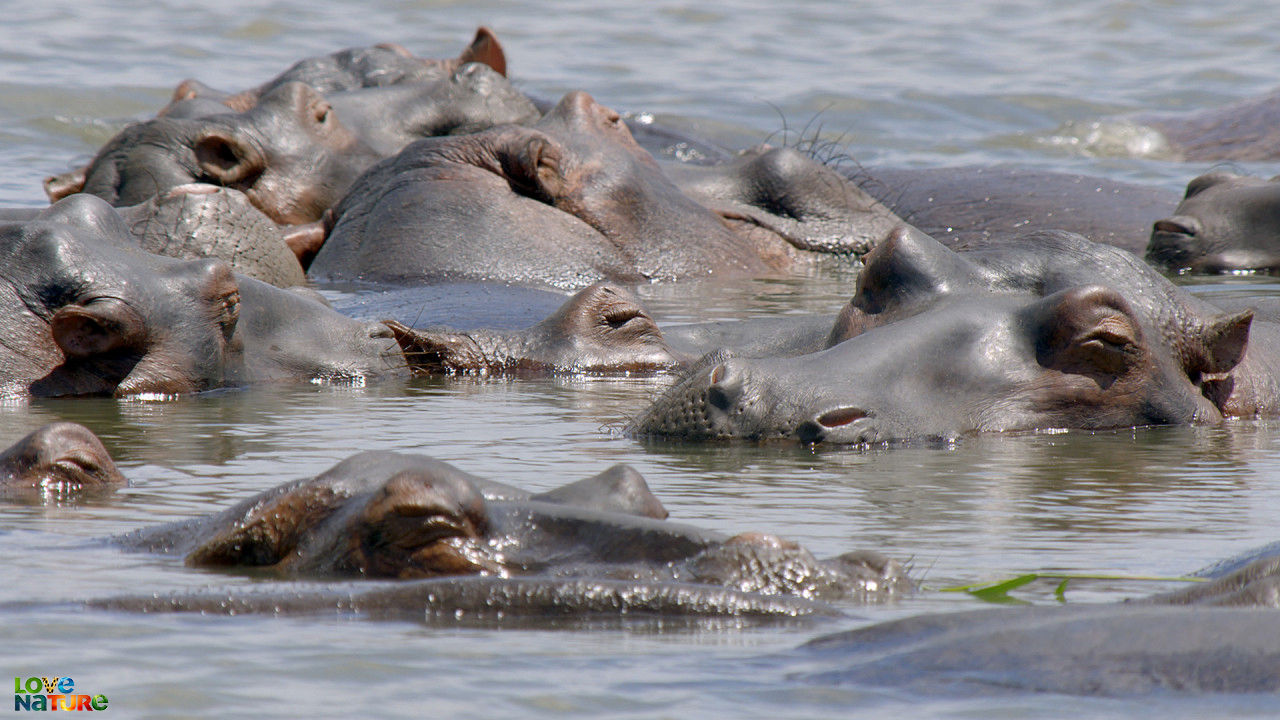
<point x="918" y="83"/>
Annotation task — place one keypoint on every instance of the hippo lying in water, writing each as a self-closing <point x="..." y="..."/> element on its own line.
<point x="935" y="344"/>
<point x="86" y="312"/>
<point x="586" y="204"/>
<point x="386" y="515"/>
<point x="55" y="462"/>
<point x="1226" y="223"/>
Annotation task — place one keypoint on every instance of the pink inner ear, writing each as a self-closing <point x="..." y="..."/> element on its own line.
<point x="79" y="334"/>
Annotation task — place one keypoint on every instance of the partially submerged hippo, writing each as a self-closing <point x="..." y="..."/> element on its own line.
<point x="1217" y="637"/>
<point x="289" y="153"/>
<point x="968" y="207"/>
<point x="1226" y="223"/>
<point x="57" y="461"/>
<point x="574" y="200"/>
<point x="88" y="313"/>
<point x="388" y="515"/>
<point x="1242" y="131"/>
<point x="600" y="329"/>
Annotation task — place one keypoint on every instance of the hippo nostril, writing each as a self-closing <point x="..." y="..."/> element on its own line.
<point x="840" y="416"/>
<point x="810" y="432"/>
<point x="1177" y="226"/>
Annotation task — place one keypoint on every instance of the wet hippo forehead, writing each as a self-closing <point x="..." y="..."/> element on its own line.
<point x="123" y="320"/>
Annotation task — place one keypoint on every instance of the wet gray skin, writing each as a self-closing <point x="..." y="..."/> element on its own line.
<point x="206" y="221"/>
<point x="584" y="201"/>
<point x="469" y="99"/>
<point x="600" y="329"/>
<point x="379" y="65"/>
<point x="1242" y="131"/>
<point x="386" y="515"/>
<point x="1110" y="650"/>
<point x="88" y="313"/>
<point x="56" y="462"/>
<point x="288" y="153"/>
<point x="968" y="207"/>
<point x="974" y="362"/>
<point x="1231" y="356"/>
<point x="1226" y="223"/>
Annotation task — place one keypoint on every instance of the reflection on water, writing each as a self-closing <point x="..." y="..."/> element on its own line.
<point x="898" y="84"/>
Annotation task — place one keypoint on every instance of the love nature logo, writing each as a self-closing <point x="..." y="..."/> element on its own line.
<point x="55" y="693"/>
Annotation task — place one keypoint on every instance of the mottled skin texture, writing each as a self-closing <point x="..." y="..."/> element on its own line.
<point x="1225" y="223"/>
<point x="200" y="220"/>
<point x="600" y="329"/>
<point x="289" y="154"/>
<point x="966" y="207"/>
<point x="384" y="515"/>
<point x="570" y="201"/>
<point x="88" y="313"/>
<point x="56" y="462"/>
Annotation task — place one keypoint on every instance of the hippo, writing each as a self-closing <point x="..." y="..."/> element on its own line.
<point x="380" y="65"/>
<point x="55" y="462"/>
<point x="387" y="117"/>
<point x="1226" y="223"/>
<point x="88" y="313"/>
<point x="199" y="220"/>
<point x="390" y="515"/>
<point x="970" y="207"/>
<point x="1242" y="131"/>
<point x="601" y="328"/>
<point x="1215" y="637"/>
<point x="1081" y="357"/>
<point x="289" y="154"/>
<point x="585" y="201"/>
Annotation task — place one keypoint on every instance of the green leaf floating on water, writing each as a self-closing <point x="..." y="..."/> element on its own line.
<point x="999" y="592"/>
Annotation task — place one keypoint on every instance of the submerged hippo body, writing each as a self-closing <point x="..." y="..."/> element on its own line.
<point x="967" y="207"/>
<point x="570" y="201"/>
<point x="57" y="461"/>
<point x="88" y="313"/>
<point x="1225" y="223"/>
<point x="388" y="515"/>
<point x="1248" y="130"/>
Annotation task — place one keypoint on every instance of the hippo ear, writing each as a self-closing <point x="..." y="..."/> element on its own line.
<point x="227" y="159"/>
<point x="1208" y="180"/>
<point x="485" y="48"/>
<point x="97" y="327"/>
<point x="908" y="265"/>
<point x="1225" y="339"/>
<point x="68" y="183"/>
<point x="432" y="353"/>
<point x="1088" y="331"/>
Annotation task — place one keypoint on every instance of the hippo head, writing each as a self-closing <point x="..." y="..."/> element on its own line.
<point x="420" y="521"/>
<point x="600" y="329"/>
<point x="55" y="461"/>
<point x="289" y="154"/>
<point x="376" y="66"/>
<point x="89" y="313"/>
<point x="972" y="362"/>
<point x="1226" y="223"/>
<point x="909" y="271"/>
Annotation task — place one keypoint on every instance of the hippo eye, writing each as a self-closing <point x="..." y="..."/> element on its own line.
<point x="323" y="112"/>
<point x="621" y="316"/>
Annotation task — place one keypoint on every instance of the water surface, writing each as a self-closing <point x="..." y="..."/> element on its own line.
<point x="924" y="84"/>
